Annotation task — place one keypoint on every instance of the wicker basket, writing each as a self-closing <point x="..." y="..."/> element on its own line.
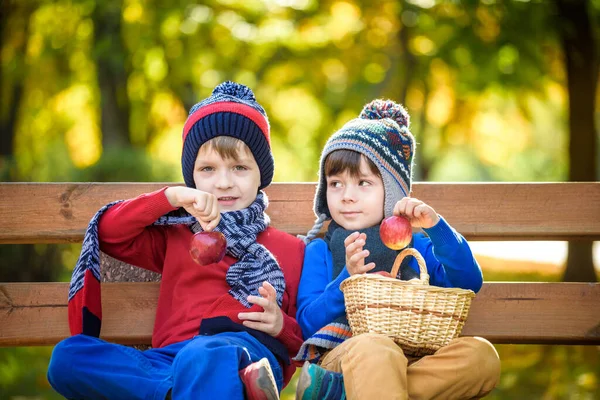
<point x="418" y="317"/>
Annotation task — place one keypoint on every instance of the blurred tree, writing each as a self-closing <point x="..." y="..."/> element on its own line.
<point x="488" y="45"/>
<point x="14" y="35"/>
<point x="581" y="58"/>
<point x="41" y="260"/>
<point x="111" y="66"/>
<point x="30" y="263"/>
<point x="487" y="84"/>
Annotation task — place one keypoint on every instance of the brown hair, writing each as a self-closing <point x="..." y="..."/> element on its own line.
<point x="340" y="161"/>
<point x="227" y="147"/>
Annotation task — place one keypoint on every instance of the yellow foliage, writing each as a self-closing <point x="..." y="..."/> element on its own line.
<point x="36" y="45"/>
<point x="295" y="4"/>
<point x="210" y="78"/>
<point x="84" y="144"/>
<point x="85" y="29"/>
<point x="499" y="135"/>
<point x="415" y="98"/>
<point x="374" y="73"/>
<point x="557" y="94"/>
<point x="245" y="77"/>
<point x="342" y="118"/>
<point x="167" y="109"/>
<point x="488" y="28"/>
<point x="275" y="30"/>
<point x="335" y="71"/>
<point x="168" y="115"/>
<point x="297" y="106"/>
<point x="83" y="138"/>
<point x="137" y="88"/>
<point x="170" y="26"/>
<point x="440" y="107"/>
<point x="377" y="38"/>
<point x="155" y="65"/>
<point x="167" y="145"/>
<point x="345" y="18"/>
<point x="422" y="45"/>
<point x="133" y="12"/>
<point x="283" y="73"/>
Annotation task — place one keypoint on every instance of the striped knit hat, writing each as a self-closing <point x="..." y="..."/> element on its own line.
<point x="381" y="134"/>
<point x="231" y="110"/>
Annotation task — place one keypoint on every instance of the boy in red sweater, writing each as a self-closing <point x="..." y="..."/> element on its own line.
<point x="221" y="330"/>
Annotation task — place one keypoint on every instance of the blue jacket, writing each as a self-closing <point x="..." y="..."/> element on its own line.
<point x="450" y="263"/>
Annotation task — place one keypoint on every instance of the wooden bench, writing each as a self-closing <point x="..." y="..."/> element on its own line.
<point x="553" y="313"/>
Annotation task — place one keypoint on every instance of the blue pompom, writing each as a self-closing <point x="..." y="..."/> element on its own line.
<point x="235" y="90"/>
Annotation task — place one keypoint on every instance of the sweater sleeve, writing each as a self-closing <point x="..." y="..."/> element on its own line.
<point x="291" y="334"/>
<point x="449" y="259"/>
<point x="320" y="300"/>
<point x="125" y="230"/>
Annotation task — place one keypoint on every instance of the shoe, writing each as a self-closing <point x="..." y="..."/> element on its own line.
<point x="317" y="383"/>
<point x="259" y="382"/>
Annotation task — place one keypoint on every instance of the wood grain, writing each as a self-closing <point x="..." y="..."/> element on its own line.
<point x="558" y="313"/>
<point x="60" y="212"/>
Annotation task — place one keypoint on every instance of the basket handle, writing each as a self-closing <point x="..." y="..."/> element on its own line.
<point x="422" y="267"/>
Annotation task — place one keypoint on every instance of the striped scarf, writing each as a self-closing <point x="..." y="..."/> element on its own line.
<point x="254" y="266"/>
<point x="334" y="333"/>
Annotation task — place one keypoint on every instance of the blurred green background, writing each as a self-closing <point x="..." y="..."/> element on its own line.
<point x="497" y="91"/>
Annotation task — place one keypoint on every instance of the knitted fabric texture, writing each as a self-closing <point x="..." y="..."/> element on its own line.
<point x="381" y="133"/>
<point x="339" y="330"/>
<point x="231" y="110"/>
<point x="322" y="341"/>
<point x="254" y="266"/>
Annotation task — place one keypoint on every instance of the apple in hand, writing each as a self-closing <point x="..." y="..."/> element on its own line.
<point x="395" y="232"/>
<point x="208" y="247"/>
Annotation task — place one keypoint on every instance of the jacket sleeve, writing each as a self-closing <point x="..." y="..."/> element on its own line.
<point x="125" y="230"/>
<point x="320" y="300"/>
<point x="449" y="259"/>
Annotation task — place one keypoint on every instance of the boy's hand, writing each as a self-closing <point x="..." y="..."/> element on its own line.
<point x="202" y="205"/>
<point x="269" y="321"/>
<point x="355" y="255"/>
<point x="419" y="214"/>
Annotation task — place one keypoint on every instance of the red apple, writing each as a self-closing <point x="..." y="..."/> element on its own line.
<point x="208" y="247"/>
<point x="395" y="232"/>
<point x="383" y="273"/>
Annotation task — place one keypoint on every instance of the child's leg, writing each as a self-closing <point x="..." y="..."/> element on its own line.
<point x="208" y="367"/>
<point x="85" y="367"/>
<point x="374" y="367"/>
<point x="467" y="368"/>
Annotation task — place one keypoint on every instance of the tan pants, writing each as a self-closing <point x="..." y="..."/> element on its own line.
<point x="375" y="368"/>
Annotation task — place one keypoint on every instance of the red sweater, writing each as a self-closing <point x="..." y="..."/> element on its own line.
<point x="190" y="293"/>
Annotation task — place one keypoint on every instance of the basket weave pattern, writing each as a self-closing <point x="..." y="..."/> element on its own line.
<point x="418" y="317"/>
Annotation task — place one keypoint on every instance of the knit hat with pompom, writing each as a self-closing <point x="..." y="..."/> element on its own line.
<point x="231" y="110"/>
<point x="381" y="134"/>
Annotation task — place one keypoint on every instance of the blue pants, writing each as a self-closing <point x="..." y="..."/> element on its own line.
<point x="205" y="367"/>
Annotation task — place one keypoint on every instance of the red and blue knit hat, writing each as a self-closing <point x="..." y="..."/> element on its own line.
<point x="231" y="110"/>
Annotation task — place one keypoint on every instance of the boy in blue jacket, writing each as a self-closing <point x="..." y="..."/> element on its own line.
<point x="365" y="176"/>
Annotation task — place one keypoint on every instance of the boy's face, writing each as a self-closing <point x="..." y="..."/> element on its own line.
<point x="234" y="181"/>
<point x="356" y="202"/>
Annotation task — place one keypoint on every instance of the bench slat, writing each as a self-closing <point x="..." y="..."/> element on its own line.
<point x="558" y="313"/>
<point x="60" y="212"/>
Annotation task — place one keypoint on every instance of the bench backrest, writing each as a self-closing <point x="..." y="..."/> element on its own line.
<point x="36" y="313"/>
